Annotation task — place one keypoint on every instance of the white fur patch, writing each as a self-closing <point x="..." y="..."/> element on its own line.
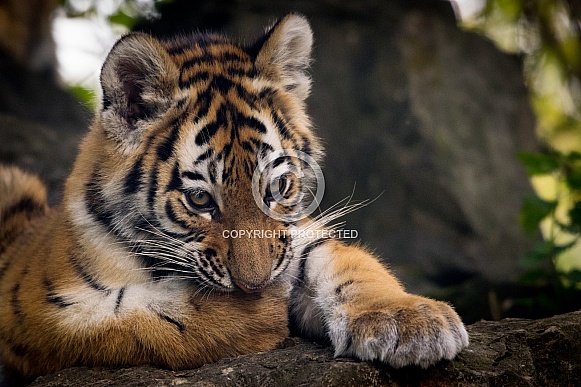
<point x="91" y="307"/>
<point x="113" y="257"/>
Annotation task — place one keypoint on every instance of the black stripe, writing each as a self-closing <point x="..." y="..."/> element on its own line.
<point x="285" y="249"/>
<point x="25" y="204"/>
<point x="171" y="215"/>
<point x="249" y="97"/>
<point x="210" y="255"/>
<point x="52" y="296"/>
<point x="15" y="303"/>
<point x="264" y="148"/>
<point x="240" y="72"/>
<point x="225" y="151"/>
<point x="281" y="258"/>
<point x="212" y="172"/>
<point x="231" y="56"/>
<point x="203" y="103"/>
<point x="342" y="286"/>
<point x="303" y="258"/>
<point x="195" y="237"/>
<point x="133" y="180"/>
<point x="286" y="262"/>
<point x="215" y="269"/>
<point x="176" y="50"/>
<point x="4" y="269"/>
<point x="257" y="142"/>
<point x="175" y="182"/>
<point x="207" y="275"/>
<point x="193" y="175"/>
<point x="197" y="77"/>
<point x="206" y="133"/>
<point x="192" y="62"/>
<point x="248" y="167"/>
<point x="19" y="349"/>
<point x="222" y="84"/>
<point x="210" y="58"/>
<point x="306" y="146"/>
<point x="170" y="320"/>
<point x="96" y="204"/>
<point x="282" y="127"/>
<point x="278" y="162"/>
<point x="89" y="279"/>
<point x="180" y="104"/>
<point x="166" y="148"/>
<point x="251" y="122"/>
<point x="226" y="175"/>
<point x="106" y="102"/>
<point x="152" y="186"/>
<point x="118" y="300"/>
<point x="204" y="156"/>
<point x="222" y="57"/>
<point x="267" y="94"/>
<point x="313" y="245"/>
<point x="247" y="146"/>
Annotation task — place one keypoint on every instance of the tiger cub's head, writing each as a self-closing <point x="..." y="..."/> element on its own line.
<point x="166" y="174"/>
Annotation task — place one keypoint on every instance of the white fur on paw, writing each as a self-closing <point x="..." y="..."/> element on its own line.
<point x="422" y="335"/>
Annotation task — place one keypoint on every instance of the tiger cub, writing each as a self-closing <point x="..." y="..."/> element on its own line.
<point x="138" y="265"/>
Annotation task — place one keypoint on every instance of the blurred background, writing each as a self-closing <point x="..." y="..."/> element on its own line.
<point x="462" y="119"/>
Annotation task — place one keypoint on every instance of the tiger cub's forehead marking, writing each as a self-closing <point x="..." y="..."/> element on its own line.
<point x="203" y="58"/>
<point x="228" y="109"/>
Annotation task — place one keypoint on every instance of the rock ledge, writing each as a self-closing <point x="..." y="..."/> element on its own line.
<point x="514" y="352"/>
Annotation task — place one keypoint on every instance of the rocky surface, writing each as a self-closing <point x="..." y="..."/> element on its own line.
<point x="511" y="352"/>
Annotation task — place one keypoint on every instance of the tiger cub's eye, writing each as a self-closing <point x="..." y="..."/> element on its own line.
<point x="200" y="200"/>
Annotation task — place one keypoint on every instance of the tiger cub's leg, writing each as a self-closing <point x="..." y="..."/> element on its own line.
<point x="345" y="293"/>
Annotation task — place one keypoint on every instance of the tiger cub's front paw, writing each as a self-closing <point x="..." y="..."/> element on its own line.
<point x="414" y="331"/>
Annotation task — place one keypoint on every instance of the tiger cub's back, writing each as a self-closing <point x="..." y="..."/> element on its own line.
<point x="22" y="200"/>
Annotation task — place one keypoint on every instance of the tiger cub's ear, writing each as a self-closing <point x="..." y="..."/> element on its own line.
<point x="284" y="54"/>
<point x="139" y="81"/>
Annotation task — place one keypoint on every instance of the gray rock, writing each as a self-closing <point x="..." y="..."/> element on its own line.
<point x="513" y="352"/>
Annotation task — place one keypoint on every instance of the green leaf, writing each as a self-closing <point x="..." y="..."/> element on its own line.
<point x="535" y="276"/>
<point x="573" y="177"/>
<point x="511" y="9"/>
<point x="573" y="275"/>
<point x="540" y="254"/>
<point x="575" y="218"/>
<point x="544" y="252"/>
<point x="573" y="156"/>
<point x="533" y="211"/>
<point x="123" y="19"/>
<point x="560" y="249"/>
<point x="538" y="163"/>
<point x="85" y="95"/>
<point x="534" y="259"/>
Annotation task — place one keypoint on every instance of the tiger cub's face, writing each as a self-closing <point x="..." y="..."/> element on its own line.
<point x="183" y="126"/>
